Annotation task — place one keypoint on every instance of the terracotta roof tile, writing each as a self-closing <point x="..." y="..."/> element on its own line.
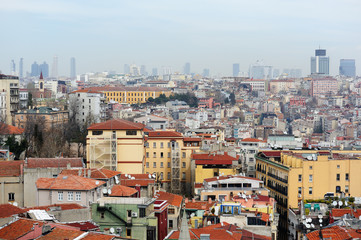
<point x="7" y="210"/>
<point x="84" y="226"/>
<point x="6" y="129"/>
<point x="163" y="134"/>
<point x="334" y="233"/>
<point x="63" y="206"/>
<point x="10" y="168"/>
<point x="117" y="124"/>
<point x="172" y="199"/>
<point x="202" y="159"/>
<point x="97" y="236"/>
<point x="228" y="177"/>
<point x="61" y="234"/>
<point x="122" y="191"/>
<point x="54" y="162"/>
<point x="68" y="182"/>
<point x="18" y="229"/>
<point x="200" y="205"/>
<point x="101" y="173"/>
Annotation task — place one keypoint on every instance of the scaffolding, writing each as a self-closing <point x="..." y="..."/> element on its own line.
<point x="103" y="152"/>
<point x="175" y="168"/>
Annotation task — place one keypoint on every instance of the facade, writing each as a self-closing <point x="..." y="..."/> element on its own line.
<point x="323" y="86"/>
<point x="235" y="69"/>
<point x="12" y="182"/>
<point x="174" y="208"/>
<point x="129" y="217"/>
<point x="320" y="64"/>
<point x="87" y="106"/>
<point x="154" y="122"/>
<point x="116" y="145"/>
<point x="10" y="85"/>
<point x="46" y="117"/>
<point x="347" y="67"/>
<point x="276" y="86"/>
<point x="23" y="98"/>
<point x="72" y="68"/>
<point x="249" y="147"/>
<point x="256" y="85"/>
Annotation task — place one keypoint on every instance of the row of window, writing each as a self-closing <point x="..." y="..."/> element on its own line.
<point x="162" y="154"/>
<point x="162" y="144"/>
<point x="310" y="177"/>
<point x="310" y="190"/>
<point x="70" y="196"/>
<point x="129" y="94"/>
<point x="184" y="165"/>
<point x="161" y="176"/>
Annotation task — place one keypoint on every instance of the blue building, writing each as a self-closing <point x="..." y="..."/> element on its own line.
<point x="320" y="63"/>
<point x="235" y="69"/>
<point x="347" y="67"/>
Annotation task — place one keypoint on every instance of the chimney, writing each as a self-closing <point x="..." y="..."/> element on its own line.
<point x="186" y="201"/>
<point x="193" y="200"/>
<point x="68" y="166"/>
<point x="209" y="200"/>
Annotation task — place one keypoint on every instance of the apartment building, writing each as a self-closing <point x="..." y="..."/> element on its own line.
<point x="10" y="85"/>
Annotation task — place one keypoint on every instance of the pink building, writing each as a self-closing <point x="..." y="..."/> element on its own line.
<point x="322" y="86"/>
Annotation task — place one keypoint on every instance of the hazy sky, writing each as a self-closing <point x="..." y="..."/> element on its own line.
<point x="106" y="34"/>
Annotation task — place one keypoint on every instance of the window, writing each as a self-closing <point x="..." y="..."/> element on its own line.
<point x="183" y="154"/>
<point x="161" y="176"/>
<point x="251" y="159"/>
<point x="131" y="132"/>
<point x="168" y="164"/>
<point x="168" y="144"/>
<point x="102" y="215"/>
<point x="90" y="100"/>
<point x="154" y="154"/>
<point x="183" y="176"/>
<point x="147" y="144"/>
<point x="169" y="155"/>
<point x="337" y="177"/>
<point x="129" y="232"/>
<point x="299" y="178"/>
<point x="346" y="177"/>
<point x="161" y="164"/>
<point x="310" y="190"/>
<point x="147" y="154"/>
<point x="171" y="211"/>
<point x="183" y="164"/>
<point x="168" y="176"/>
<point x="170" y="223"/>
<point x="11" y="196"/>
<point x="161" y="154"/>
<point x="97" y="132"/>
<point x="129" y="212"/>
<point x="60" y="196"/>
<point x="338" y="166"/>
<point x="154" y="164"/>
<point x="147" y="164"/>
<point x="310" y="167"/>
<point x="310" y="178"/>
<point x="142" y="212"/>
<point x="77" y="196"/>
<point x="161" y="145"/>
<point x="154" y="145"/>
<point x="70" y="196"/>
<point x="338" y="189"/>
<point x="346" y="189"/>
<point x="299" y="190"/>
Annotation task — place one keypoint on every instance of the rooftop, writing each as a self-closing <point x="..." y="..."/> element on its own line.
<point x="53" y="162"/>
<point x="68" y="182"/>
<point x="10" y="168"/>
<point x="117" y="124"/>
<point x="172" y="199"/>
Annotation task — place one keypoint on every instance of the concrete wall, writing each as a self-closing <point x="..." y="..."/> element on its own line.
<point x="72" y="215"/>
<point x="12" y="185"/>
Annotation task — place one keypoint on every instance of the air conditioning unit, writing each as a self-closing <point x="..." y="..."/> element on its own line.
<point x="134" y="214"/>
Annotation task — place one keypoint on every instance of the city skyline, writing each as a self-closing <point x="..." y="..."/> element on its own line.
<point x="155" y="34"/>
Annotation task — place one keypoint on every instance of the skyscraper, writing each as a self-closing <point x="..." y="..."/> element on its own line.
<point x="155" y="72"/>
<point x="12" y="68"/>
<point x="260" y="71"/>
<point x="143" y="70"/>
<point x="235" y="69"/>
<point x="21" y="68"/>
<point x="205" y="72"/>
<point x="347" y="67"/>
<point x="126" y="69"/>
<point x="72" y="68"/>
<point x="187" y="68"/>
<point x="320" y="64"/>
<point x="54" y="69"/>
<point x="44" y="68"/>
<point x="34" y="70"/>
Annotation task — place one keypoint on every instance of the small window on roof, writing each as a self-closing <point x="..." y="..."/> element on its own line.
<point x="97" y="132"/>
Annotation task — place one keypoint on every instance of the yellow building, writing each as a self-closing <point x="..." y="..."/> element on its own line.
<point x="116" y="145"/>
<point x="131" y="95"/>
<point x="292" y="176"/>
<point x="168" y="154"/>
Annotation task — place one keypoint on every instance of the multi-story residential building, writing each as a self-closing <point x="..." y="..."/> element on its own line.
<point x="87" y="106"/>
<point x="174" y="209"/>
<point x="45" y="116"/>
<point x="69" y="189"/>
<point x="295" y="175"/>
<point x="10" y="85"/>
<point x="131" y="95"/>
<point x="256" y="84"/>
<point x="248" y="148"/>
<point x="23" y="98"/>
<point x="168" y="154"/>
<point x="3" y="106"/>
<point x="12" y="182"/>
<point x="323" y="86"/>
<point x="129" y="217"/>
<point x="116" y="145"/>
<point x="279" y="85"/>
<point x="154" y="122"/>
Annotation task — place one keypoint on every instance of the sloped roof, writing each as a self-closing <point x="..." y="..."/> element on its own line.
<point x="6" y="129"/>
<point x="122" y="191"/>
<point x="68" y="182"/>
<point x="61" y="234"/>
<point x="230" y="177"/>
<point x="117" y="124"/>
<point x="100" y="173"/>
<point x="10" y="168"/>
<point x="98" y="236"/>
<point x="18" y="229"/>
<point x="251" y="140"/>
<point x="162" y="134"/>
<point x="7" y="210"/>
<point x="62" y="206"/>
<point x="334" y="233"/>
<point x="54" y="162"/>
<point x="214" y="157"/>
<point x="172" y="199"/>
<point x="200" y="205"/>
<point x="84" y="226"/>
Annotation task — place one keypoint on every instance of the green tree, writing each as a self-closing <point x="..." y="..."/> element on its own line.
<point x="232" y="97"/>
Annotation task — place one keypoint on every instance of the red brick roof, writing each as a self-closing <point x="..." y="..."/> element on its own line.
<point x="336" y="212"/>
<point x="97" y="236"/>
<point x="100" y="173"/>
<point x="172" y="199"/>
<point x="133" y="183"/>
<point x="117" y="124"/>
<point x="122" y="191"/>
<point x="63" y="206"/>
<point x="86" y="91"/>
<point x="68" y="182"/>
<point x="230" y="176"/>
<point x="61" y="234"/>
<point x="200" y="205"/>
<point x="214" y="157"/>
<point x="334" y="233"/>
<point x="54" y="162"/>
<point x="11" y="168"/>
<point x="190" y="139"/>
<point x="6" y="129"/>
<point x="7" y="210"/>
<point x="18" y="229"/>
<point x="84" y="226"/>
<point x="251" y="140"/>
<point x="163" y="134"/>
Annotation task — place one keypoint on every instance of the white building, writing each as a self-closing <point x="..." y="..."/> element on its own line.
<point x="249" y="147"/>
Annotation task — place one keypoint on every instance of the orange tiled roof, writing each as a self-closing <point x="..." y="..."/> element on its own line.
<point x="6" y="129"/>
<point x="61" y="234"/>
<point x="53" y="162"/>
<point x="87" y="90"/>
<point x="100" y="173"/>
<point x="172" y="199"/>
<point x="334" y="233"/>
<point x="10" y="168"/>
<point x="251" y="140"/>
<point x="163" y="134"/>
<point x="200" y="205"/>
<point x="18" y="229"/>
<point x="68" y="182"/>
<point x="122" y="191"/>
<point x="63" y="206"/>
<point x="98" y="236"/>
<point x="7" y="210"/>
<point x="117" y="124"/>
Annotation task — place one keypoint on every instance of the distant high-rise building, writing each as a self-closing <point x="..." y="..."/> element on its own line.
<point x="205" y="72"/>
<point x="187" y="68"/>
<point x="276" y="73"/>
<point x="235" y="69"/>
<point x="320" y="64"/>
<point x="166" y="70"/>
<point x="21" y="68"/>
<point x="12" y="68"/>
<point x="348" y="67"/>
<point x="72" y="68"/>
<point x="44" y="68"/>
<point x="293" y="72"/>
<point x="260" y="71"/>
<point x="35" y="70"/>
<point x="143" y="70"/>
<point x="155" y="72"/>
<point x="54" y="69"/>
<point x="126" y="69"/>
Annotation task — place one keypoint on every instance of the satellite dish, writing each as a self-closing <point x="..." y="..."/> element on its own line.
<point x="320" y="225"/>
<point x="209" y="223"/>
<point x="149" y="176"/>
<point x="334" y="203"/>
<point x="308" y="225"/>
<point x="340" y="203"/>
<point x="133" y="178"/>
<point x="312" y="225"/>
<point x="129" y="176"/>
<point x="126" y="175"/>
<point x="249" y="196"/>
<point x="304" y="222"/>
<point x="320" y="220"/>
<point x="105" y="191"/>
<point x="111" y="230"/>
<point x="97" y="182"/>
<point x="309" y="220"/>
<point x="109" y="191"/>
<point x="303" y="217"/>
<point x="346" y="204"/>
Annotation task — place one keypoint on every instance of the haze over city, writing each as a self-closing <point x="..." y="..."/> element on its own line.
<point x="105" y="35"/>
